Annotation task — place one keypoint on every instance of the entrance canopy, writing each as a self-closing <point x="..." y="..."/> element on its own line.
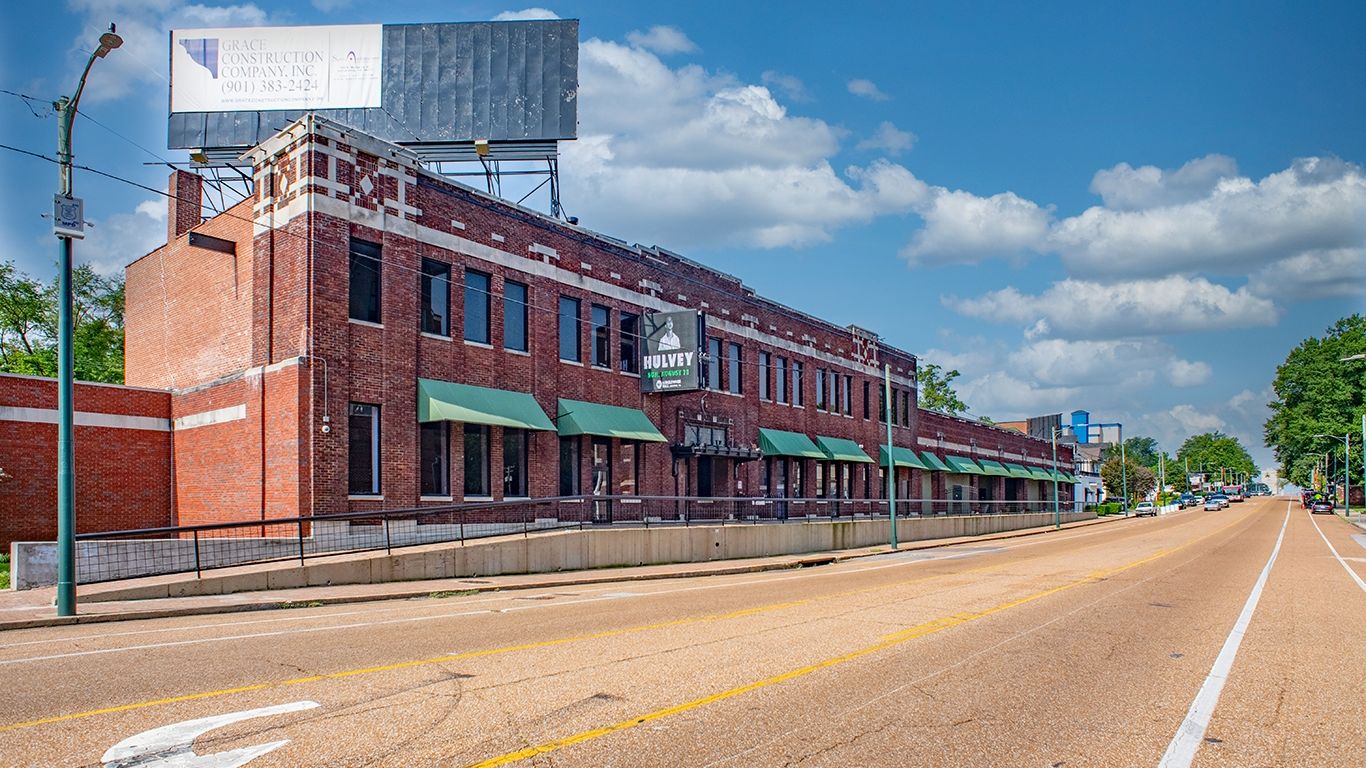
<point x="776" y="442"/>
<point x="934" y="463"/>
<point x="901" y="457"/>
<point x="1019" y="472"/>
<point x="964" y="465"/>
<point x="447" y="401"/>
<point x="993" y="468"/>
<point x="577" y="417"/>
<point x="839" y="449"/>
<point x="1039" y="473"/>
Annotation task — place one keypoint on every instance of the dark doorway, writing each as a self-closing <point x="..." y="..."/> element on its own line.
<point x="704" y="483"/>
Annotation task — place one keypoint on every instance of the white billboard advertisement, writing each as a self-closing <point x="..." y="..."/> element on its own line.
<point x="265" y="68"/>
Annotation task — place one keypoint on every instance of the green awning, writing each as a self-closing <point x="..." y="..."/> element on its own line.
<point x="933" y="462"/>
<point x="993" y="468"/>
<point x="577" y="417"/>
<point x="1019" y="472"/>
<point x="466" y="403"/>
<point x="1038" y="473"/>
<point x="776" y="442"/>
<point x="963" y="465"/>
<point x="901" y="457"/>
<point x="839" y="449"/>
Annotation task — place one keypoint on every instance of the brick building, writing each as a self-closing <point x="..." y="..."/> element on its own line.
<point x="365" y="334"/>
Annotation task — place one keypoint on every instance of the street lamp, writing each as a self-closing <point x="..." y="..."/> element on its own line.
<point x="68" y="224"/>
<point x="1346" y="470"/>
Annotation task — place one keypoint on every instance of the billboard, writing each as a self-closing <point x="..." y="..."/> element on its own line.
<point x="427" y="86"/>
<point x="670" y="362"/>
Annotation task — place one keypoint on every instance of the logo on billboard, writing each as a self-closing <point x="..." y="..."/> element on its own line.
<point x="670" y="360"/>
<point x="204" y="52"/>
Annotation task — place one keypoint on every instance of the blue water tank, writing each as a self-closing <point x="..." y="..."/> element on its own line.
<point x="1080" y="419"/>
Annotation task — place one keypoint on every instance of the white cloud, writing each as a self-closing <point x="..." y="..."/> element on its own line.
<point x="662" y="149"/>
<point x="962" y="227"/>
<point x="662" y="40"/>
<point x="1193" y="421"/>
<point x="867" y="89"/>
<point x="115" y="241"/>
<point x="788" y="85"/>
<point x="1003" y="395"/>
<point x="1312" y="275"/>
<point x="1126" y="188"/>
<point x="889" y="139"/>
<point x="328" y="6"/>
<point x="526" y="14"/>
<point x="1078" y="309"/>
<point x="1185" y="373"/>
<point x="1315" y="204"/>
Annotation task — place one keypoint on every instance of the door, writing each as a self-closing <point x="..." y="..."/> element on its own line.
<point x="704" y="483"/>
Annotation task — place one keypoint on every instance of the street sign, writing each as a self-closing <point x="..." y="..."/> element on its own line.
<point x="68" y="216"/>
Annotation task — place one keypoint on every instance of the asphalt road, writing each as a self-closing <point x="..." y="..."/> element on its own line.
<point x="1177" y="640"/>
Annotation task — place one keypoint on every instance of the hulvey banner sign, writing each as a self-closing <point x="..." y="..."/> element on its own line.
<point x="670" y="362"/>
<point x="266" y="68"/>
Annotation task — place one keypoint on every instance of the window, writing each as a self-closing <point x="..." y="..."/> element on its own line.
<point x="713" y="363"/>
<point x="700" y="434"/>
<point x="569" y="465"/>
<point x="476" y="460"/>
<point x="435" y="450"/>
<point x="780" y="376"/>
<point x="601" y="318"/>
<point x="832" y="395"/>
<point x="733" y="380"/>
<point x="514" y="316"/>
<point x="882" y="405"/>
<point x="569" y="330"/>
<point x="363" y="459"/>
<point x="906" y="409"/>
<point x="820" y="389"/>
<point x="436" y="297"/>
<point x="865" y="400"/>
<point x="514" y="462"/>
<point x="848" y="403"/>
<point x="896" y="400"/>
<point x="476" y="307"/>
<point x="365" y="263"/>
<point x="630" y="342"/>
<point x="763" y="376"/>
<point x="796" y="383"/>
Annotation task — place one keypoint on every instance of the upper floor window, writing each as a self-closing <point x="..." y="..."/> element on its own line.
<point x="514" y="316"/>
<point x="436" y="297"/>
<point x="847" y="402"/>
<point x="796" y="382"/>
<point x="820" y="389"/>
<point x="865" y="399"/>
<point x="763" y="376"/>
<point x="733" y="376"/>
<point x="365" y="284"/>
<point x="780" y="379"/>
<point x="570" y="348"/>
<point x="477" y="306"/>
<point x="713" y="368"/>
<point x="602" y="336"/>
<point x="630" y="342"/>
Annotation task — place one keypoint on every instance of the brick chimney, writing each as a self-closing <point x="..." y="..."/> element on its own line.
<point x="183" y="212"/>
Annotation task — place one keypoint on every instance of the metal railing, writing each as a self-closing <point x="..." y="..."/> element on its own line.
<point x="110" y="555"/>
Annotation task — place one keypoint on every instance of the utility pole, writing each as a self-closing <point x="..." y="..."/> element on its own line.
<point x="68" y="223"/>
<point x="891" y="462"/>
<point x="1057" y="513"/>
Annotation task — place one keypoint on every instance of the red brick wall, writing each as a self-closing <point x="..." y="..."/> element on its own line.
<point x="123" y="476"/>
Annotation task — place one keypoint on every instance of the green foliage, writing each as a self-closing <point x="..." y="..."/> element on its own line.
<point x="1317" y="393"/>
<point x="1212" y="451"/>
<point x="936" y="390"/>
<point x="1114" y="474"/>
<point x="28" y="325"/>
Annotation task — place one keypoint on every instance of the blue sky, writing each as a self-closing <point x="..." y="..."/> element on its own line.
<point x="1133" y="210"/>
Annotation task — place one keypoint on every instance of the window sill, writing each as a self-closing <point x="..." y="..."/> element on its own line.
<point x="597" y="367"/>
<point x="579" y="363"/>
<point x="516" y="498"/>
<point x="364" y="497"/>
<point x="628" y="373"/>
<point x="478" y="498"/>
<point x="436" y="498"/>
<point x="365" y="323"/>
<point x="479" y="344"/>
<point x="521" y="352"/>
<point x="437" y="336"/>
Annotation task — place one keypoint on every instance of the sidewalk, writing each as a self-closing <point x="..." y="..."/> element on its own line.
<point x="34" y="608"/>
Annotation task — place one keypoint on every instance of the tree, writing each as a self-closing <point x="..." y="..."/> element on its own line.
<point x="1212" y="452"/>
<point x="1138" y="448"/>
<point x="28" y="325"/>
<point x="1113" y="475"/>
<point x="1318" y="394"/>
<point x="936" y="390"/>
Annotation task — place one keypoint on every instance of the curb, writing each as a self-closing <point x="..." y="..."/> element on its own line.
<point x="607" y="575"/>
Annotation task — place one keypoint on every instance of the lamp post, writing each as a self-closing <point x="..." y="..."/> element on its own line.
<point x="1346" y="470"/>
<point x="891" y="460"/>
<point x="68" y="224"/>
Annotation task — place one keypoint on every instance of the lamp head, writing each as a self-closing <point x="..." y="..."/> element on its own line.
<point x="108" y="42"/>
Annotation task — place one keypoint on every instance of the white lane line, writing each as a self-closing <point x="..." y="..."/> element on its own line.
<point x="1333" y="549"/>
<point x="1181" y="751"/>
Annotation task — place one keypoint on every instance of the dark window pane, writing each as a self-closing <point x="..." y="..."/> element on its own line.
<point x="844" y="396"/>
<point x="714" y="363"/>
<point x="569" y="466"/>
<point x="436" y="297"/>
<point x="514" y="462"/>
<point x="780" y="379"/>
<point x="514" y="316"/>
<point x="365" y="266"/>
<point x="630" y="342"/>
<point x="602" y="336"/>
<point x="865" y="400"/>
<point x="363" y="454"/>
<point x="476" y="460"/>
<point x="435" y="459"/>
<point x="735" y="383"/>
<point x="820" y="389"/>
<point x="796" y="383"/>
<point x="763" y="376"/>
<point x="477" y="307"/>
<point x="569" y="329"/>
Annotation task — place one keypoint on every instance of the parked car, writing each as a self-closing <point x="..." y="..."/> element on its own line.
<point x="1199" y="499"/>
<point x="1321" y="505"/>
<point x="1186" y="500"/>
<point x="1213" y="503"/>
<point x="1145" y="508"/>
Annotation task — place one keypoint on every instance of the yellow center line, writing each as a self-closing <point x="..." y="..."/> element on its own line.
<point x="445" y="658"/>
<point x="888" y="641"/>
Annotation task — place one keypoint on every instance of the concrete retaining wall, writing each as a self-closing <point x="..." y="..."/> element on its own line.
<point x="582" y="550"/>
